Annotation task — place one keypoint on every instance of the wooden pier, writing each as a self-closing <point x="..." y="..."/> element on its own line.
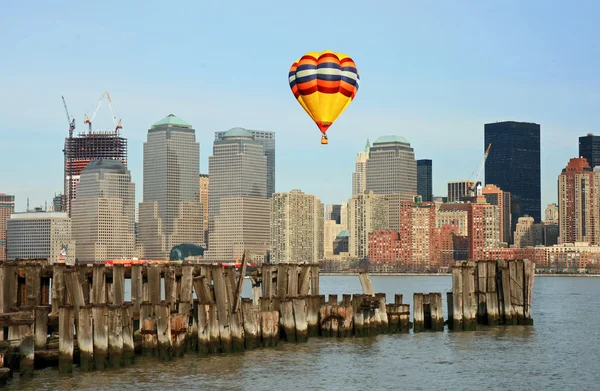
<point x="66" y="316"/>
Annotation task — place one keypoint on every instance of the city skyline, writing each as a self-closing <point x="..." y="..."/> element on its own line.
<point x="448" y="88"/>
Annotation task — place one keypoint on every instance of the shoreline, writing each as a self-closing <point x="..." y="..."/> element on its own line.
<point x="347" y="274"/>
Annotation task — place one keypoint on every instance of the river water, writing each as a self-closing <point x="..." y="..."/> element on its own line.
<point x="560" y="352"/>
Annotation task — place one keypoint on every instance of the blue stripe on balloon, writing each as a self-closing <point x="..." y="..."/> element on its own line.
<point x="321" y="76"/>
<point x="328" y="65"/>
<point x="292" y="83"/>
<point x="349" y="69"/>
<point x="349" y="80"/>
<point x="306" y="67"/>
<point x="304" y="79"/>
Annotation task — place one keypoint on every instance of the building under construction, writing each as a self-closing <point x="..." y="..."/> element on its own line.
<point x="84" y="147"/>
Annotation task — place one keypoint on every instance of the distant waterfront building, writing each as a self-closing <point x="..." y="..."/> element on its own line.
<point x="551" y="233"/>
<point x="419" y="245"/>
<point x="496" y="196"/>
<point x="59" y="203"/>
<point x="513" y="164"/>
<point x="458" y="190"/>
<point x="7" y="207"/>
<point x="238" y="172"/>
<point x="589" y="148"/>
<point x="267" y="140"/>
<point x="359" y="177"/>
<point x="578" y="203"/>
<point x="296" y="228"/>
<point x="103" y="215"/>
<point x="528" y="233"/>
<point x="425" y="179"/>
<point x="204" y="180"/>
<point x="395" y="202"/>
<point x="391" y="167"/>
<point x="171" y="212"/>
<point x="333" y="212"/>
<point x="344" y="214"/>
<point x="340" y="244"/>
<point x="366" y="212"/>
<point x="41" y="235"/>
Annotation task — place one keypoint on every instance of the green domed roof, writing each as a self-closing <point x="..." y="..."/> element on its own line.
<point x="238" y="132"/>
<point x="391" y="139"/>
<point x="172" y="121"/>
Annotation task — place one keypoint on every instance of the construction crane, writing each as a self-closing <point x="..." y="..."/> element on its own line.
<point x="477" y="174"/>
<point x="71" y="122"/>
<point x="87" y="120"/>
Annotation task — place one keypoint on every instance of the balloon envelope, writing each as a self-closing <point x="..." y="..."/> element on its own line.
<point x="324" y="84"/>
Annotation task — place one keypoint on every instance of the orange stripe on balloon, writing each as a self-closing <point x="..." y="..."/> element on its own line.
<point x="328" y="83"/>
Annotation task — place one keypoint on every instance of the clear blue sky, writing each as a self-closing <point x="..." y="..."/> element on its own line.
<point x="432" y="71"/>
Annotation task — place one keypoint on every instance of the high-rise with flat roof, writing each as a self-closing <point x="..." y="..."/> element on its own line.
<point x="171" y="212"/>
<point x="267" y="140"/>
<point x="359" y="176"/>
<point x="333" y="212"/>
<point x="366" y="212"/>
<point x="238" y="171"/>
<point x="103" y="215"/>
<point x="7" y="206"/>
<point x="496" y="196"/>
<point x="589" y="148"/>
<point x="513" y="164"/>
<point x="425" y="179"/>
<point x="204" y="200"/>
<point x="392" y="167"/>
<point x="296" y="228"/>
<point x="41" y="235"/>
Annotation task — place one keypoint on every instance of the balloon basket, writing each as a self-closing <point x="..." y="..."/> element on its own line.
<point x="324" y="140"/>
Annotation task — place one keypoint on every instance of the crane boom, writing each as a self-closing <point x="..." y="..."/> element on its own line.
<point x="88" y="120"/>
<point x="478" y="172"/>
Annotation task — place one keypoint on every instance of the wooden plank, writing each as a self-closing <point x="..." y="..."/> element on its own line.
<point x="163" y="330"/>
<point x="365" y="282"/>
<point x="300" y="318"/>
<point x="529" y="271"/>
<point x="85" y="283"/>
<point x="292" y="289"/>
<point x="314" y="280"/>
<point x="154" y="284"/>
<point x="100" y="321"/>
<point x="251" y="324"/>
<point x="11" y="319"/>
<point x="304" y="280"/>
<point x="170" y="288"/>
<point x="282" y="280"/>
<point x="240" y="283"/>
<point x="33" y="284"/>
<point x="482" y="278"/>
<point x="98" y="285"/>
<point x="58" y="286"/>
<point x="128" y="341"/>
<point x="136" y="289"/>
<point x="222" y="308"/>
<point x="418" y="316"/>
<point x="27" y="351"/>
<point x="469" y="297"/>
<point x="437" y="312"/>
<point x="509" y="313"/>
<point x="118" y="284"/>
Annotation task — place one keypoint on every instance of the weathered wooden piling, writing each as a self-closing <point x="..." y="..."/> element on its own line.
<point x="437" y="311"/>
<point x="163" y="330"/>
<point x="41" y="326"/>
<point x="128" y="341"/>
<point x="300" y="321"/>
<point x="529" y="273"/>
<point x="100" y="320"/>
<point x="418" y="315"/>
<point x="149" y="336"/>
<point x="358" y="321"/>
<point x="65" y="339"/>
<point x="115" y="336"/>
<point x="214" y="345"/>
<point x="85" y="338"/>
<point x="287" y="320"/>
<point x="251" y="324"/>
<point x="98" y="295"/>
<point x="136" y="289"/>
<point x="203" y="332"/>
<point x="58" y="286"/>
<point x="154" y="284"/>
<point x="383" y="318"/>
<point x="33" y="284"/>
<point x="26" y="351"/>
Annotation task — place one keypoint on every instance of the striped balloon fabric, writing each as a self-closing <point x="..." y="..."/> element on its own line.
<point x="324" y="84"/>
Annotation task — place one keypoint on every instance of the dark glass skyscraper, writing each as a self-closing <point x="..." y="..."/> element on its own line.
<point x="589" y="148"/>
<point x="425" y="179"/>
<point x="513" y="165"/>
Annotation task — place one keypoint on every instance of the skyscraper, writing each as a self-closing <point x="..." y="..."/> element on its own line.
<point x="457" y="191"/>
<point x="333" y="212"/>
<point x="578" y="203"/>
<point x="296" y="228"/>
<point x="366" y="212"/>
<point x="267" y="140"/>
<point x="238" y="173"/>
<point x="171" y="212"/>
<point x="103" y="214"/>
<point x="86" y="147"/>
<point x="589" y="148"/>
<point x="425" y="179"/>
<point x="496" y="196"/>
<point x="513" y="165"/>
<point x="392" y="167"/>
<point x="7" y="206"/>
<point x="359" y="177"/>
<point x="204" y="200"/>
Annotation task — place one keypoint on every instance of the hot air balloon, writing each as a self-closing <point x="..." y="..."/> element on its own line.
<point x="324" y="84"/>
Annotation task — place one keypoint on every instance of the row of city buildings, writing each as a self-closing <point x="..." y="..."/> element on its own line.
<point x="392" y="222"/>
